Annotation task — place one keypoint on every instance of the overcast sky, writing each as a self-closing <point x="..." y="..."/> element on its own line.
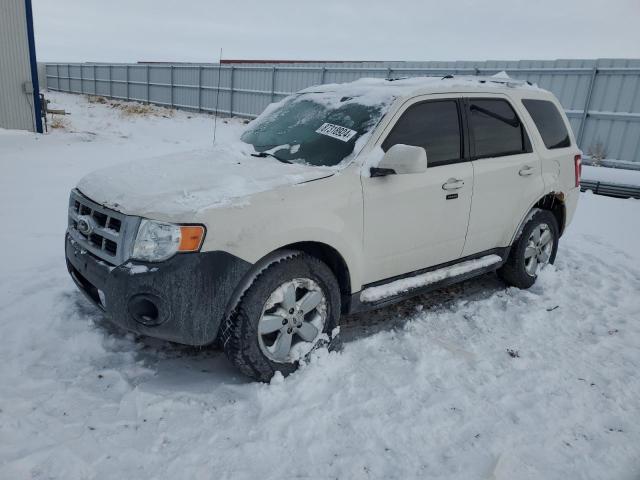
<point x="195" y="30"/>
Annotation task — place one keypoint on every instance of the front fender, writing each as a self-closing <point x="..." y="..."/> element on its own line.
<point x="327" y="211"/>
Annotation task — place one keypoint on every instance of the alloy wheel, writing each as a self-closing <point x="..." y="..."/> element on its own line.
<point x="538" y="250"/>
<point x="293" y="318"/>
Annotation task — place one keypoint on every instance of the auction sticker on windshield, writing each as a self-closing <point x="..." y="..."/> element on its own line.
<point x="336" y="131"/>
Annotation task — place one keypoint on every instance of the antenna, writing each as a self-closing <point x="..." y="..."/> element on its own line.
<point x="215" y="118"/>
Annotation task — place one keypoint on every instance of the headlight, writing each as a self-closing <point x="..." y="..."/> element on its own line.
<point x="158" y="241"/>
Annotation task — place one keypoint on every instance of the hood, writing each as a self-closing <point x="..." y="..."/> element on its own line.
<point x="180" y="185"/>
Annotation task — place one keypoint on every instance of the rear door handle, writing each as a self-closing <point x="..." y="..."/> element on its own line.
<point x="453" y="184"/>
<point x="526" y="171"/>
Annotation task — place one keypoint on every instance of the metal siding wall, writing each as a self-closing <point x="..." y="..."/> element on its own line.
<point x="75" y="85"/>
<point x="185" y="91"/>
<point x="42" y="75"/>
<point x="102" y="80"/>
<point x="16" y="107"/>
<point x="609" y="89"/>
<point x="138" y="83"/>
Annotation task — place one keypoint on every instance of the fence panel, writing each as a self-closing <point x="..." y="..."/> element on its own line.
<point x="601" y="97"/>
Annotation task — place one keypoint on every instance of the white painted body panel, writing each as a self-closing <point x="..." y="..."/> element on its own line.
<point x="327" y="211"/>
<point x="557" y="166"/>
<point x="408" y="222"/>
<point x="501" y="194"/>
<point x="502" y="197"/>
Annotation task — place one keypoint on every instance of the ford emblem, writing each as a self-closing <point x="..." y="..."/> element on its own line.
<point x="84" y="225"/>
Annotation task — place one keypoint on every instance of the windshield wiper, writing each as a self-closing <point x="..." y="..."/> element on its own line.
<point x="267" y="154"/>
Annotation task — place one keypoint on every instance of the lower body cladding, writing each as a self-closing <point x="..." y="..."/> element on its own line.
<point x="183" y="299"/>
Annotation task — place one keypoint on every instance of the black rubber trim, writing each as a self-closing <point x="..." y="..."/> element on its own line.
<point x="381" y="172"/>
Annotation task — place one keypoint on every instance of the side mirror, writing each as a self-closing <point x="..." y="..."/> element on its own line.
<point x="401" y="159"/>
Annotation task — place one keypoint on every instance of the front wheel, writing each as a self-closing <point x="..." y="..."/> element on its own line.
<point x="289" y="309"/>
<point x="535" y="248"/>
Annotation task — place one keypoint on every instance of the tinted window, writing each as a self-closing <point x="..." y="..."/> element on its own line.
<point x="435" y="126"/>
<point x="497" y="130"/>
<point x="549" y="123"/>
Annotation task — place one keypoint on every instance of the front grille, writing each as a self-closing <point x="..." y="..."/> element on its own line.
<point x="103" y="232"/>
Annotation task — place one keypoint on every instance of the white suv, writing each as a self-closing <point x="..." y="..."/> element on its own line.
<point x="339" y="198"/>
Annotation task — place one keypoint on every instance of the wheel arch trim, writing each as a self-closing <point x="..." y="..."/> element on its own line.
<point x="548" y="201"/>
<point x="323" y="251"/>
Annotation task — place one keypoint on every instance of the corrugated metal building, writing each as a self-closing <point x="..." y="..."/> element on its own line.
<point x="19" y="99"/>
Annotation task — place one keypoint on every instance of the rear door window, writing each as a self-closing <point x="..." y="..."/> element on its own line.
<point x="549" y="123"/>
<point x="496" y="128"/>
<point x="433" y="125"/>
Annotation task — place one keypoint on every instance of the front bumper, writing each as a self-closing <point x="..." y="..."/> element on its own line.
<point x="183" y="299"/>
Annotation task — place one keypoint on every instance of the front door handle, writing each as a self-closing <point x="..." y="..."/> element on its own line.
<point x="526" y="171"/>
<point x="453" y="184"/>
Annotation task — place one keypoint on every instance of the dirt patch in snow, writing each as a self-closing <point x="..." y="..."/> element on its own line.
<point x="132" y="108"/>
<point x="59" y="123"/>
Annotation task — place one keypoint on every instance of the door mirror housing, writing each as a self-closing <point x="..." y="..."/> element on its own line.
<point x="401" y="159"/>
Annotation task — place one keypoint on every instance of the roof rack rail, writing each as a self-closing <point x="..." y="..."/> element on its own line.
<point x="508" y="82"/>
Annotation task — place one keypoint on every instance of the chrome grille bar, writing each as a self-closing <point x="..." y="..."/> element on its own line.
<point x="104" y="232"/>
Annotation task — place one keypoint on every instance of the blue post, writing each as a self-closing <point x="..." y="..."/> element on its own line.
<point x="37" y="108"/>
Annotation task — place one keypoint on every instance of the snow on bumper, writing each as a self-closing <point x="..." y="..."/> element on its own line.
<point x="182" y="299"/>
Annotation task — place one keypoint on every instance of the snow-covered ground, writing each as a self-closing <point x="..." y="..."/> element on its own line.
<point x="476" y="381"/>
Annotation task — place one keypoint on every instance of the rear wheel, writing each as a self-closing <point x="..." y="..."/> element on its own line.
<point x="535" y="248"/>
<point x="290" y="308"/>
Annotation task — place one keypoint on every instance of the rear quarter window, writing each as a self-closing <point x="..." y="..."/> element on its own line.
<point x="549" y="123"/>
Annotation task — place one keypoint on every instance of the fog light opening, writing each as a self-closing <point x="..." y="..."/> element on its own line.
<point x="144" y="310"/>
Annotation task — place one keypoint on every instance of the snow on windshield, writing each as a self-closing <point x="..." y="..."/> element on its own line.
<point x="321" y="127"/>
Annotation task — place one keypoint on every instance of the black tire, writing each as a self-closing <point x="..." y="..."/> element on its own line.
<point x="513" y="272"/>
<point x="240" y="330"/>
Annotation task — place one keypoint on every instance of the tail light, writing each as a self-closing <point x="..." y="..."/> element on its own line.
<point x="578" y="166"/>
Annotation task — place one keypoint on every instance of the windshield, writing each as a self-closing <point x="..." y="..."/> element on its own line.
<point x="313" y="128"/>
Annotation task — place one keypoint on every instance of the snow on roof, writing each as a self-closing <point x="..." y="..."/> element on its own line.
<point x="379" y="89"/>
<point x="382" y="91"/>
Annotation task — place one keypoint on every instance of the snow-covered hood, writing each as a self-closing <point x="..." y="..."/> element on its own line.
<point x="180" y="185"/>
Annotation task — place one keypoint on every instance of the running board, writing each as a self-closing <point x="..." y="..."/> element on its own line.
<point x="420" y="281"/>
